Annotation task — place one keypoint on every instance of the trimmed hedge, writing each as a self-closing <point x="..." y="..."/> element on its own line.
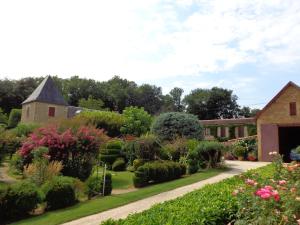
<point x="158" y="171"/>
<point x="109" y="121"/>
<point x="213" y="204"/>
<point x="60" y="192"/>
<point x="119" y="165"/>
<point x="111" y="152"/>
<point x="18" y="200"/>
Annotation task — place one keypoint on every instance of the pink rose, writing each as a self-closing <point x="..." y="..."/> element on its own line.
<point x="282" y="182"/>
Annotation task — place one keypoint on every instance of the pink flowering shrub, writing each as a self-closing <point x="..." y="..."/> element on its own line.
<point x="272" y="201"/>
<point x="76" y="150"/>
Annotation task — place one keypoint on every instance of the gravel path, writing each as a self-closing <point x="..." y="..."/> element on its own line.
<point x="4" y="177"/>
<point x="144" y="204"/>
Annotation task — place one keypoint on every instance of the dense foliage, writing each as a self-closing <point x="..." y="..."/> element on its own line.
<point x="75" y="150"/>
<point x="157" y="171"/>
<point x="147" y="147"/>
<point x="137" y="121"/>
<point x="18" y="200"/>
<point x="168" y="126"/>
<point x="111" y="122"/>
<point x="111" y="151"/>
<point x="14" y="118"/>
<point x="59" y="192"/>
<point x="95" y="185"/>
<point x="212" y="204"/>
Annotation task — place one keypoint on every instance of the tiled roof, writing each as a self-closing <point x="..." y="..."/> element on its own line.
<point x="46" y="92"/>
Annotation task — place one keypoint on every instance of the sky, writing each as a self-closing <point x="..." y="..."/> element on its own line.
<point x="249" y="46"/>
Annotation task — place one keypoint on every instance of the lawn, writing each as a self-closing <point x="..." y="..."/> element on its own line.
<point x="121" y="179"/>
<point x="101" y="204"/>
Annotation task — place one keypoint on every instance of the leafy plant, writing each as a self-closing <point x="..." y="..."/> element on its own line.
<point x="119" y="165"/>
<point x="147" y="147"/>
<point x="14" y="118"/>
<point x="59" y="192"/>
<point x="169" y="126"/>
<point x="137" y="121"/>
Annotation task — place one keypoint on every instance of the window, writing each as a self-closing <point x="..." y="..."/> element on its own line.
<point x="293" y="109"/>
<point x="51" y="112"/>
<point x="27" y="112"/>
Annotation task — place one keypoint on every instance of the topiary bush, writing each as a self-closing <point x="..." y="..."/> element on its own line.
<point x="157" y="171"/>
<point x="137" y="121"/>
<point x="94" y="185"/>
<point x="18" y="200"/>
<point x="14" y="118"/>
<point x="108" y="184"/>
<point x="59" y="192"/>
<point x="169" y="126"/>
<point x="119" y="165"/>
<point x="111" y="151"/>
<point x="176" y="149"/>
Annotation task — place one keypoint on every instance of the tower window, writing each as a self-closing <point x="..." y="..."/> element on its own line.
<point x="293" y="109"/>
<point x="51" y="112"/>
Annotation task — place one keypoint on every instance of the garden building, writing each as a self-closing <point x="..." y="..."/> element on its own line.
<point x="44" y="104"/>
<point x="227" y="129"/>
<point x="278" y="124"/>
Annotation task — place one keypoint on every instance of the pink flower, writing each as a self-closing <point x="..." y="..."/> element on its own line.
<point x="298" y="221"/>
<point x="235" y="192"/>
<point x="282" y="182"/>
<point x="268" y="192"/>
<point x="251" y="182"/>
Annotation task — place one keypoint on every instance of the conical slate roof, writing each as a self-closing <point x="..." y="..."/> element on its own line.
<point x="46" y="92"/>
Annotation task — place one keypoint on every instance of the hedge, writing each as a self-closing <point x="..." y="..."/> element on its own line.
<point x="94" y="185"/>
<point x="14" y="118"/>
<point x="18" y="200"/>
<point x="157" y="171"/>
<point x="213" y="204"/>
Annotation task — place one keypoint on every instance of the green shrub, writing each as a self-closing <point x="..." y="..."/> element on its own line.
<point x="157" y="171"/>
<point x="10" y="142"/>
<point x="23" y="130"/>
<point x="137" y="121"/>
<point x="213" y="204"/>
<point x="14" y="118"/>
<point x="59" y="192"/>
<point x="3" y="118"/>
<point x="80" y="167"/>
<point x="176" y="149"/>
<point x="93" y="186"/>
<point x="18" y="200"/>
<point x="168" y="126"/>
<point x="17" y="162"/>
<point x="109" y="121"/>
<point x="210" y="153"/>
<point x="108" y="184"/>
<point x="147" y="147"/>
<point x="137" y="163"/>
<point x="111" y="152"/>
<point x="119" y="165"/>
<point x="239" y="150"/>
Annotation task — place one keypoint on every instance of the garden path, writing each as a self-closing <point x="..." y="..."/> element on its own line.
<point x="122" y="212"/>
<point x="4" y="177"/>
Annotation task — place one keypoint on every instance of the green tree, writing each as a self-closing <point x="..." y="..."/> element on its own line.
<point x="176" y="94"/>
<point x="212" y="103"/>
<point x="137" y="121"/>
<point x="91" y="103"/>
<point x="245" y="112"/>
<point x="3" y="117"/>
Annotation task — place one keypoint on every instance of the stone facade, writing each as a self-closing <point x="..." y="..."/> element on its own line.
<point x="275" y="115"/>
<point x="38" y="112"/>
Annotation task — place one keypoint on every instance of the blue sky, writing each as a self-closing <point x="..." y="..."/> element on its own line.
<point x="249" y="46"/>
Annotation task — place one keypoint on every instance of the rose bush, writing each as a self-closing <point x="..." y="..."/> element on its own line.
<point x="271" y="201"/>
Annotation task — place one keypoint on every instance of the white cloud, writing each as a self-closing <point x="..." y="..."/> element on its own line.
<point x="144" y="40"/>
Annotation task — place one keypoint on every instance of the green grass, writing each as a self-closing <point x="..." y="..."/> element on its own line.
<point x="101" y="204"/>
<point x="121" y="180"/>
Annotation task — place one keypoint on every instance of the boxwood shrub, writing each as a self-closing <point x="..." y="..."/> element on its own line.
<point x="18" y="200"/>
<point x="213" y="204"/>
<point x="157" y="171"/>
<point x="94" y="185"/>
<point x="60" y="192"/>
<point x="119" y="165"/>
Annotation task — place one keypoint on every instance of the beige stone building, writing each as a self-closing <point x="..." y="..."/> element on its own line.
<point x="278" y="124"/>
<point x="46" y="103"/>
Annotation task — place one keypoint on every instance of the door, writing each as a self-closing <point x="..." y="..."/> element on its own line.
<point x="269" y="141"/>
